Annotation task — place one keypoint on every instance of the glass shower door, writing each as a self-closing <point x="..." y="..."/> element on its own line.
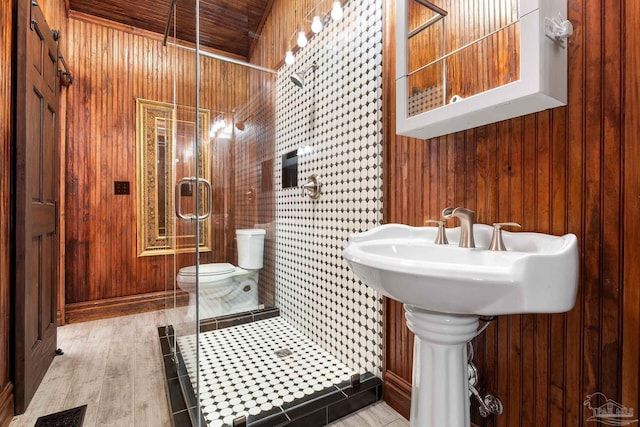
<point x="192" y="203"/>
<point x="189" y="202"/>
<point x="221" y="134"/>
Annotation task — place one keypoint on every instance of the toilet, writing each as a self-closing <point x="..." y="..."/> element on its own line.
<point x="225" y="288"/>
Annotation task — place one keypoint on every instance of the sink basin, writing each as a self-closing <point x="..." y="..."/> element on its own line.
<point x="445" y="288"/>
<point x="538" y="273"/>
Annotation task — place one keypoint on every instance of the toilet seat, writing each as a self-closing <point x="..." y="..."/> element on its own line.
<point x="206" y="270"/>
<point x="214" y="274"/>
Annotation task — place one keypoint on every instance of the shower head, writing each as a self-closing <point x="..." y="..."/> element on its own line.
<point x="298" y="78"/>
<point x="240" y="125"/>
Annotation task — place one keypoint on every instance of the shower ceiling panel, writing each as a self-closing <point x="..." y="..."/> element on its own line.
<point x="226" y="25"/>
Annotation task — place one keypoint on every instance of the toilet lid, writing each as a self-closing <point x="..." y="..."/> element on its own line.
<point x="213" y="269"/>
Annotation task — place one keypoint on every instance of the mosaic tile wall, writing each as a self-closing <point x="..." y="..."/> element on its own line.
<point x="335" y="124"/>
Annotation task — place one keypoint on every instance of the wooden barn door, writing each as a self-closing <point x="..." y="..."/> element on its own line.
<point x="35" y="201"/>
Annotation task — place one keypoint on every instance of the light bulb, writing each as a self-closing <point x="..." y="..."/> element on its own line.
<point x="289" y="58"/>
<point x="302" y="39"/>
<point x="316" y="24"/>
<point x="336" y="11"/>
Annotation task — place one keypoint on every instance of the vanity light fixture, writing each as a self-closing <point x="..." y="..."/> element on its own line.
<point x="316" y="24"/>
<point x="289" y="58"/>
<point x="302" y="39"/>
<point x="336" y="11"/>
<point x="318" y="21"/>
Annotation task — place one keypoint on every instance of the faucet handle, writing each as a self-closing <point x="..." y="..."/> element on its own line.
<point x="441" y="237"/>
<point x="497" y="244"/>
<point x="447" y="212"/>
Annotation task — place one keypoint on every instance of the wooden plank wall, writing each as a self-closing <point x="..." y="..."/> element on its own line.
<point x="630" y="292"/>
<point x="280" y="29"/>
<point x="114" y="64"/>
<point x="6" y="388"/>
<point x="571" y="169"/>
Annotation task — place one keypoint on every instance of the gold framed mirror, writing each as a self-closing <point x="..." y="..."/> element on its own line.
<point x="164" y="149"/>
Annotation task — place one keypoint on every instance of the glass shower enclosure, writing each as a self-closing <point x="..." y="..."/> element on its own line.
<point x="217" y="153"/>
<point x="232" y="357"/>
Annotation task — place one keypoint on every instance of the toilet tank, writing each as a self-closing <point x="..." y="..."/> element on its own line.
<point x="250" y="248"/>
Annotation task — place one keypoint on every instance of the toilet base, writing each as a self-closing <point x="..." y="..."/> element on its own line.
<point x="237" y="295"/>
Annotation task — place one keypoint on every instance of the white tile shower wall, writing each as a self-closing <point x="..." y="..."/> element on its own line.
<point x="335" y="123"/>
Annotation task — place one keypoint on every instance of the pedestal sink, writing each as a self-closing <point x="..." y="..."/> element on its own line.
<point x="445" y="288"/>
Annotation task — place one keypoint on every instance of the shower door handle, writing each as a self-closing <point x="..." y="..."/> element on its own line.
<point x="178" y="199"/>
<point x="207" y="187"/>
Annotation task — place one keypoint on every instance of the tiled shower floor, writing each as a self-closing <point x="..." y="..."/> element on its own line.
<point x="264" y="369"/>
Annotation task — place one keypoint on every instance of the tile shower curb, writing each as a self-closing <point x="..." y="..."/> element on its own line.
<point x="318" y="409"/>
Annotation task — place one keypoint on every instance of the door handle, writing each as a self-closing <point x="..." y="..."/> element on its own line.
<point x="178" y="199"/>
<point x="207" y="187"/>
<point x="178" y="202"/>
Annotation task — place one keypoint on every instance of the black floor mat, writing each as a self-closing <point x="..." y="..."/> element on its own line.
<point x="69" y="418"/>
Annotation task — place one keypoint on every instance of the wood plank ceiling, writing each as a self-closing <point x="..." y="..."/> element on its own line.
<point x="225" y="25"/>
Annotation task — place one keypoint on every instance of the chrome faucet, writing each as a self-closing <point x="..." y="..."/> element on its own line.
<point x="466" y="217"/>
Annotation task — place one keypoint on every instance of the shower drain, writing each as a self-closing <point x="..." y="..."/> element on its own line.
<point x="283" y="352"/>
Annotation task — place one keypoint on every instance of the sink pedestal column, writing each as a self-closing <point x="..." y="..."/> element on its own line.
<point x="440" y="392"/>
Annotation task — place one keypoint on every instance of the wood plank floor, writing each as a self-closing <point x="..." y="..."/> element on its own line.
<point x="114" y="366"/>
<point x="377" y="415"/>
